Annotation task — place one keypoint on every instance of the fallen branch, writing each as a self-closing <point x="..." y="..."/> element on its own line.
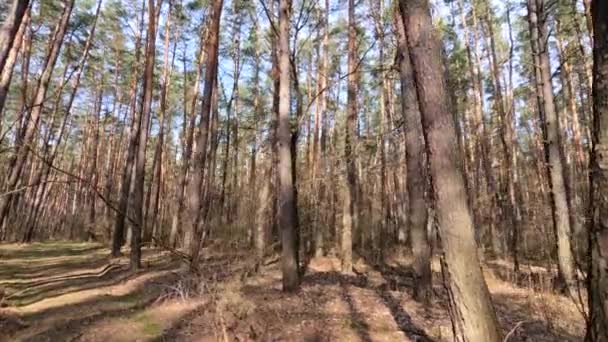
<point x="512" y="331"/>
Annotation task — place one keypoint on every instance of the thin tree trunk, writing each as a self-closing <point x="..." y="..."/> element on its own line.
<point x="9" y="30"/>
<point x="6" y="73"/>
<point x="559" y="196"/>
<point x="188" y="131"/>
<point x="31" y="125"/>
<point x="483" y="146"/>
<point x="142" y="140"/>
<point x="507" y="141"/>
<point x="350" y="134"/>
<point x="93" y="175"/>
<point x="158" y="150"/>
<point x="319" y="147"/>
<point x="123" y="204"/>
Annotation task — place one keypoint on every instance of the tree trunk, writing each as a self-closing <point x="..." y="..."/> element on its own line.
<point x="193" y="217"/>
<point x="474" y="316"/>
<point x="415" y="175"/>
<point x="142" y="140"/>
<point x="9" y="30"/>
<point x="319" y="135"/>
<point x="597" y="329"/>
<point x="158" y="150"/>
<point x="189" y="123"/>
<point x="506" y="137"/>
<point x="554" y="153"/>
<point x="6" y="73"/>
<point x="31" y="124"/>
<point x="93" y="175"/>
<point x="43" y="173"/>
<point x="482" y="146"/>
<point x="287" y="200"/>
<point x="123" y="203"/>
<point x="350" y="188"/>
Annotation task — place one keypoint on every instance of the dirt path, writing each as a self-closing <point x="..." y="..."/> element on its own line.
<point x="75" y="292"/>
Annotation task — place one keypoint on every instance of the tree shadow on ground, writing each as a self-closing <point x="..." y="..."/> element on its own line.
<point x="358" y="322"/>
<point x="74" y="284"/>
<point x="291" y="316"/>
<point x="402" y="319"/>
<point x="17" y="272"/>
<point x="60" y="323"/>
<point x="38" y="251"/>
<point x="30" y="292"/>
<point x="512" y="310"/>
<point x="23" y="275"/>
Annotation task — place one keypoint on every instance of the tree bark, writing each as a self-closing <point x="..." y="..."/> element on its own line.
<point x="483" y="147"/>
<point x="350" y="188"/>
<point x="193" y="217"/>
<point x="36" y="107"/>
<point x="189" y="124"/>
<point x="287" y="200"/>
<point x="93" y="174"/>
<point x="506" y="137"/>
<point x="554" y="152"/>
<point x="142" y="140"/>
<point x="153" y="204"/>
<point x="9" y="30"/>
<point x="415" y="175"/>
<point x="319" y="147"/>
<point x="133" y="136"/>
<point x="474" y="315"/>
<point x="597" y="329"/>
<point x="6" y="73"/>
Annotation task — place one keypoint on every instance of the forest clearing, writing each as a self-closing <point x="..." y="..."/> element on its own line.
<point x="304" y="170"/>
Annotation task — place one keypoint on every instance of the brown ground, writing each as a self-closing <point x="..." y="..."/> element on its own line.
<point x="74" y="292"/>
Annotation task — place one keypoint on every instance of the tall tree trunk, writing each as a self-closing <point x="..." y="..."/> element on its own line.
<point x="9" y="30"/>
<point x="287" y="200"/>
<point x="554" y="152"/>
<point x="158" y="150"/>
<point x="127" y="175"/>
<point x="261" y="222"/>
<point x="350" y="134"/>
<point x="319" y="148"/>
<point x="506" y="137"/>
<point x="193" y="217"/>
<point x="473" y="312"/>
<point x="31" y="124"/>
<point x="377" y="239"/>
<point x="597" y="329"/>
<point x="483" y="146"/>
<point x="189" y="123"/>
<point x="415" y="175"/>
<point x="42" y="174"/>
<point x="93" y="175"/>
<point x="6" y="73"/>
<point x="142" y="140"/>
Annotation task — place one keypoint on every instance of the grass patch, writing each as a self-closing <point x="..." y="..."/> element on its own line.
<point x="148" y="325"/>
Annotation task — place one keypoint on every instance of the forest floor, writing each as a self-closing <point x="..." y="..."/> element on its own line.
<point x="63" y="291"/>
